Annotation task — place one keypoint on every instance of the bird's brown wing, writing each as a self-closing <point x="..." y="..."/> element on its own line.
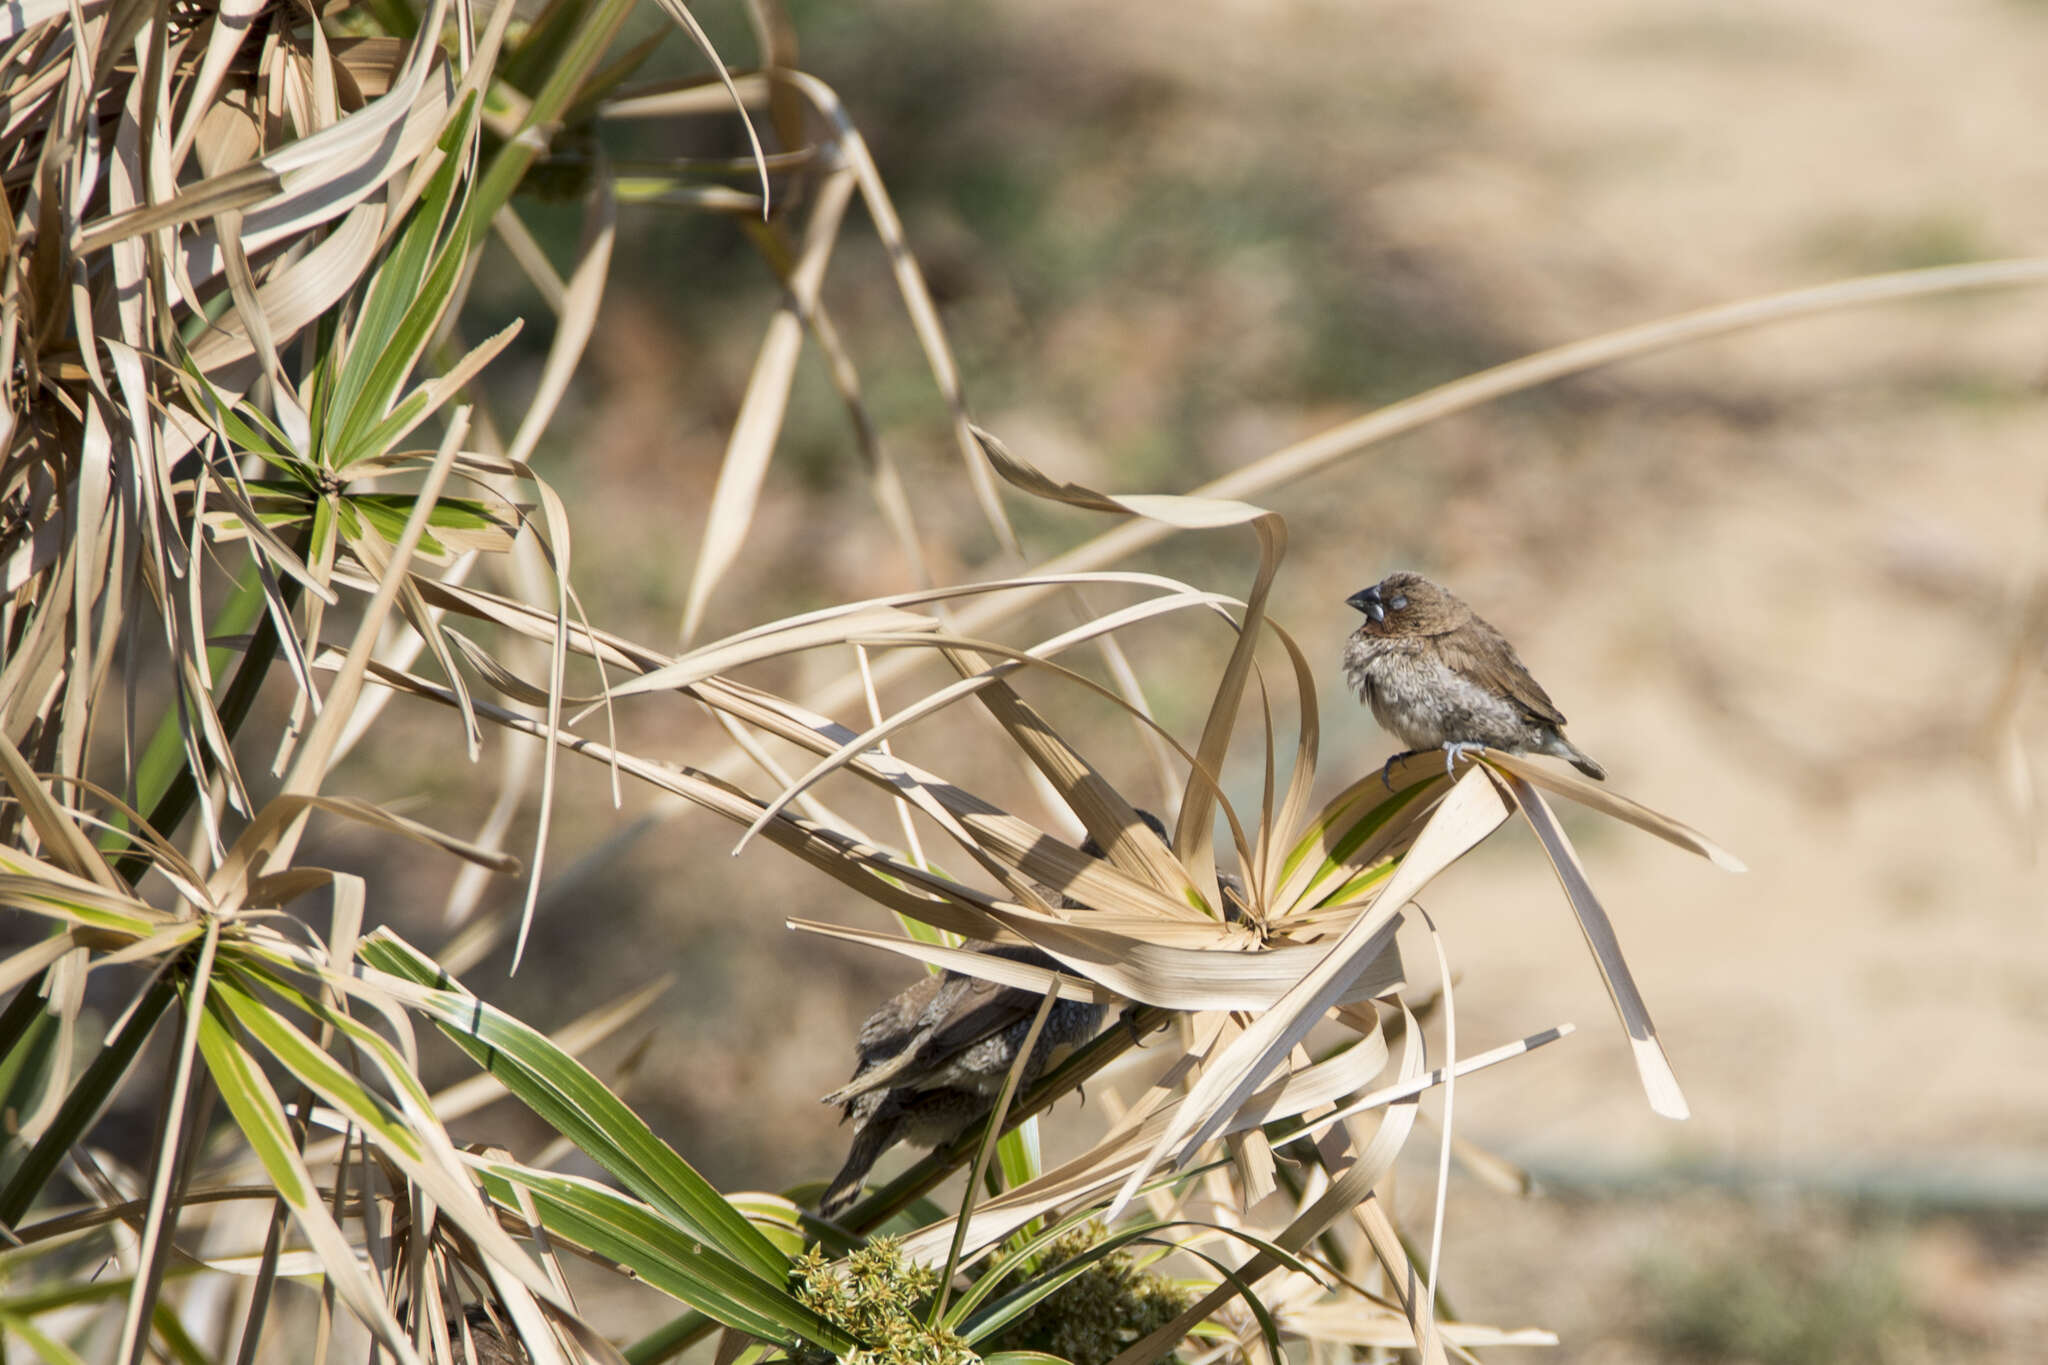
<point x="969" y="1010"/>
<point x="931" y="1021"/>
<point x="962" y="1011"/>
<point x="889" y="1039"/>
<point x="1482" y="654"/>
<point x="893" y="1026"/>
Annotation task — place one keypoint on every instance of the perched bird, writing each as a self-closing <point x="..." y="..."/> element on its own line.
<point x="487" y="1344"/>
<point x="1437" y="675"/>
<point x="933" y="1059"/>
<point x="476" y="1335"/>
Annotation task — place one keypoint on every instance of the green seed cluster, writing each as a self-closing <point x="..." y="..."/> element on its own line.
<point x="1099" y="1312"/>
<point x="877" y="1300"/>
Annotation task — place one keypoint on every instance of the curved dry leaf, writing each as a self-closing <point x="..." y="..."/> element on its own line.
<point x="1660" y="1083"/>
<point x="1276" y="829"/>
<point x="917" y="299"/>
<point x="1104" y="813"/>
<point x="1105" y="964"/>
<point x="502" y="679"/>
<point x="1056" y="864"/>
<point x="369" y="551"/>
<point x="304" y="183"/>
<point x="867" y="623"/>
<point x="1351" y="1183"/>
<point x="1191" y="835"/>
<point x="1220" y="978"/>
<point x="1412" y="1086"/>
<point x="688" y="23"/>
<point x="1319" y="1084"/>
<point x="1472" y="811"/>
<point x="1610" y="802"/>
<point x="617" y="651"/>
<point x="685" y="97"/>
<point x="966" y="962"/>
<point x="296" y="296"/>
<point x="371" y="64"/>
<point x="754" y="432"/>
<point x="232" y="20"/>
<point x="856" y="745"/>
<point x="62" y="838"/>
<point x="1171" y="509"/>
<point x="872" y="871"/>
<point x="284" y="808"/>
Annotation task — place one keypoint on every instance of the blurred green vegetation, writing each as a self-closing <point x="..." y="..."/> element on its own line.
<point x="1874" y="245"/>
<point x="1784" y="1300"/>
<point x="1075" y="216"/>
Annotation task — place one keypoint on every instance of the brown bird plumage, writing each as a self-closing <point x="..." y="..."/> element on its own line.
<point x="1436" y="675"/>
<point x="489" y="1343"/>
<point x="934" y="1057"/>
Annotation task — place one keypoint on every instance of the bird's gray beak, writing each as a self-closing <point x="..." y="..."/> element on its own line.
<point x="1368" y="601"/>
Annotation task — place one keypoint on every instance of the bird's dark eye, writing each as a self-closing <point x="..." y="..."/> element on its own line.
<point x="1396" y="602"/>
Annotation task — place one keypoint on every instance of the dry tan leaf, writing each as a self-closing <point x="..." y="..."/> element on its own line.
<point x="1131" y="968"/>
<point x="1609" y="802"/>
<point x="1191" y="837"/>
<point x="293" y="298"/>
<point x="851" y="749"/>
<point x="1659" y="1081"/>
<point x="688" y="96"/>
<point x="61" y="837"/>
<point x="231" y="24"/>
<point x="966" y="962"/>
<point x="1183" y="978"/>
<point x="1472" y="811"/>
<point x="1102" y="810"/>
<point x="1415" y="1085"/>
<point x="1350" y="1184"/>
<point x="754" y="432"/>
<point x="917" y="299"/>
<point x="1355" y="1324"/>
<point x="856" y="621"/>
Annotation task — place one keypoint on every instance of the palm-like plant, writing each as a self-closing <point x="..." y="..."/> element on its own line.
<point x="238" y="243"/>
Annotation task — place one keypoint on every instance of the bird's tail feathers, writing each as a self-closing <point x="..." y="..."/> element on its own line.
<point x="873" y="1138"/>
<point x="1577" y="757"/>
<point x="1561" y="747"/>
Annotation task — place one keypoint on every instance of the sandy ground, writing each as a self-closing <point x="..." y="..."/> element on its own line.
<point x="1796" y="651"/>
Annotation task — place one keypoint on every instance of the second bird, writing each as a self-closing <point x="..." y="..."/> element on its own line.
<point x="1436" y="675"/>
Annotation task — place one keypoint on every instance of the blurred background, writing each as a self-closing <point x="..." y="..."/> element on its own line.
<point x="1779" y="582"/>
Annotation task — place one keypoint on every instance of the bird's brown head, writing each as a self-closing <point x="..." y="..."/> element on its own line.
<point x="1408" y="604"/>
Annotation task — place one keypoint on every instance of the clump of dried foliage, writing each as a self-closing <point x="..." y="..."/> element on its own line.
<point x="244" y="458"/>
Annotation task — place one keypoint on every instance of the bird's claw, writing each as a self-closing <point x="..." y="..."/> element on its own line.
<point x="1129" y="1019"/>
<point x="1387" y="769"/>
<point x="1455" y="750"/>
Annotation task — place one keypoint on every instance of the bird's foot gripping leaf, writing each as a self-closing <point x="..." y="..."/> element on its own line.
<point x="1457" y="749"/>
<point x="1387" y="769"/>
